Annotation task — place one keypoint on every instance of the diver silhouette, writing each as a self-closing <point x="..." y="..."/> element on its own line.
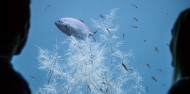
<point x="180" y="49"/>
<point x="15" y="25"/>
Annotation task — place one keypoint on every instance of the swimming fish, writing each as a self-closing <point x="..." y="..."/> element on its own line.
<point x="148" y="65"/>
<point x="134" y="5"/>
<point x="144" y="40"/>
<point x="153" y="78"/>
<point x="89" y="87"/>
<point x="134" y="26"/>
<point x="125" y="67"/>
<point x="74" y="27"/>
<point x="156" y="49"/>
<point x="108" y="30"/>
<point x="102" y="16"/>
<point x="135" y="19"/>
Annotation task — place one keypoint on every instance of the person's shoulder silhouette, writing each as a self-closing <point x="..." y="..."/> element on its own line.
<point x="13" y="36"/>
<point x="180" y="49"/>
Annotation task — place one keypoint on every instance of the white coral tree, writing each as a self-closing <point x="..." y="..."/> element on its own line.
<point x="89" y="67"/>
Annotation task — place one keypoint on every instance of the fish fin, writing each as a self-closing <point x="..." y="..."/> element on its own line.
<point x="93" y="37"/>
<point x="81" y="20"/>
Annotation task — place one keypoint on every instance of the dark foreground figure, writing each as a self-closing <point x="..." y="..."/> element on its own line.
<point x="180" y="49"/>
<point x="15" y="19"/>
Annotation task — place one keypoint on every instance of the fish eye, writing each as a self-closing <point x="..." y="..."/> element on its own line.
<point x="59" y="21"/>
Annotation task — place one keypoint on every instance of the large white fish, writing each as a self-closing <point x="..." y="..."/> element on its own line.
<point x="75" y="27"/>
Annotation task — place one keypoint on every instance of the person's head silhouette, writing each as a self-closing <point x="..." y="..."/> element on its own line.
<point x="15" y="26"/>
<point x="180" y="49"/>
<point x="13" y="36"/>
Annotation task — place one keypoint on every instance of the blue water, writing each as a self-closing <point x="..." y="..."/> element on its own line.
<point x="145" y="24"/>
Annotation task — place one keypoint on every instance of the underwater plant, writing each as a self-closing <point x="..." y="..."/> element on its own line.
<point x="89" y="67"/>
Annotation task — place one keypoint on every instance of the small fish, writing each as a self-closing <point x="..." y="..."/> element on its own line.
<point x="144" y="40"/>
<point x="134" y="5"/>
<point x="89" y="87"/>
<point x="153" y="78"/>
<point x="101" y="89"/>
<point x="81" y="20"/>
<point x="123" y="35"/>
<point x="125" y="67"/>
<point x="156" y="49"/>
<point x="102" y="16"/>
<point x="148" y="65"/>
<point x="135" y="19"/>
<point x="108" y="30"/>
<point x="134" y="26"/>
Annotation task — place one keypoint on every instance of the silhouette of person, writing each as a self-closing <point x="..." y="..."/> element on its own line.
<point x="180" y="50"/>
<point x="15" y="22"/>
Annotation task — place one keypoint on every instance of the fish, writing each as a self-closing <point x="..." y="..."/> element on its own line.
<point x="134" y="5"/>
<point x="74" y="27"/>
<point x="153" y="78"/>
<point x="134" y="26"/>
<point x="123" y="35"/>
<point x="101" y="89"/>
<point x="102" y="16"/>
<point x="89" y="87"/>
<point x="125" y="67"/>
<point x="156" y="49"/>
<point x="108" y="30"/>
<point x="144" y="40"/>
<point x="148" y="65"/>
<point x="135" y="19"/>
